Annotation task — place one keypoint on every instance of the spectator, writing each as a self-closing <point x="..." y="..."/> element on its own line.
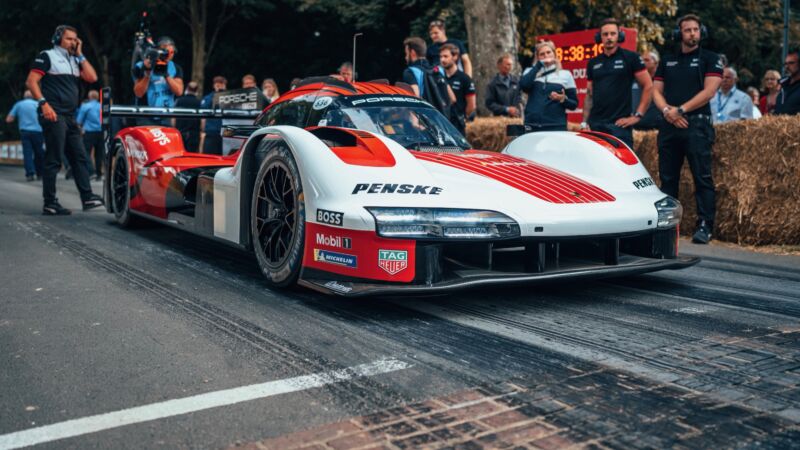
<point x="270" y="89"/>
<point x="462" y="86"/>
<point x="30" y="132"/>
<point x="788" y="101"/>
<point x="653" y="115"/>
<point x="730" y="103"/>
<point x="346" y="71"/>
<point x="607" y="107"/>
<point x="551" y="91"/>
<point x="295" y="82"/>
<point x="684" y="84"/>
<point x="154" y="89"/>
<point x="212" y="142"/>
<point x="249" y="82"/>
<point x="439" y="38"/>
<point x="54" y="81"/>
<point x="770" y="86"/>
<point x="189" y="128"/>
<point x="89" y="120"/>
<point x="418" y="67"/>
<point x="502" y="93"/>
<point x="755" y="96"/>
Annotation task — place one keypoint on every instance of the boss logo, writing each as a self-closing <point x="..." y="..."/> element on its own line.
<point x="159" y="136"/>
<point x="334" y="241"/>
<point x="380" y="188"/>
<point x="238" y="98"/>
<point x="330" y="217"/>
<point x="643" y="183"/>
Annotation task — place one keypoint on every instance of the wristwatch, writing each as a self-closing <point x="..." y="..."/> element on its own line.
<point x="41" y="101"/>
<point x="584" y="125"/>
<point x="681" y="111"/>
<point x="638" y="114"/>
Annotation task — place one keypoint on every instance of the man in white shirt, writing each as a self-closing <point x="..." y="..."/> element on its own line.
<point x="730" y="103"/>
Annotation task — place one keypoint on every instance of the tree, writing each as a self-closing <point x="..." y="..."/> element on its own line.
<point x="647" y="16"/>
<point x="195" y="14"/>
<point x="491" y="26"/>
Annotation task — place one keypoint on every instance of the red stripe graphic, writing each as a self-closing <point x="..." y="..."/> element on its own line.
<point x="543" y="182"/>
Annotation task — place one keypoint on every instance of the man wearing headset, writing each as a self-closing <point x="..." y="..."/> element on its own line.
<point x="154" y="89"/>
<point x="684" y="85"/>
<point x="55" y="82"/>
<point x="607" y="107"/>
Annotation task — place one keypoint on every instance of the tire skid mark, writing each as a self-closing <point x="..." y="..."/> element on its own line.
<point x="359" y="391"/>
<point x="575" y="340"/>
<point x="756" y="269"/>
<point x="719" y="295"/>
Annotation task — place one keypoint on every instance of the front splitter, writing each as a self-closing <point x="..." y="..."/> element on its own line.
<point x="630" y="266"/>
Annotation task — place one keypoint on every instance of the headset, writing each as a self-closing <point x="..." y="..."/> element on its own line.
<point x="167" y="40"/>
<point x="598" y="38"/>
<point x="58" y="34"/>
<point x="676" y="32"/>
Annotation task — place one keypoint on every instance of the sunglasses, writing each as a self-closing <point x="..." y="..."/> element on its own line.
<point x="790" y="63"/>
<point x="436" y="23"/>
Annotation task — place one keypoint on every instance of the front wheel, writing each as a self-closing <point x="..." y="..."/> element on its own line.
<point x="121" y="189"/>
<point x="277" y="217"/>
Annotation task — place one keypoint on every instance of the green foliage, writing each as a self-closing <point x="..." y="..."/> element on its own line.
<point x="539" y="18"/>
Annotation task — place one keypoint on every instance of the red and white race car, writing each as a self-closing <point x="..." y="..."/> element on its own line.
<point x="363" y="188"/>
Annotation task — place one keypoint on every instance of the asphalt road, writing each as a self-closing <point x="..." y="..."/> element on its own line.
<point x="152" y="338"/>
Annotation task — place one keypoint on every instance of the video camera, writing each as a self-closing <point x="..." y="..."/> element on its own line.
<point x="144" y="49"/>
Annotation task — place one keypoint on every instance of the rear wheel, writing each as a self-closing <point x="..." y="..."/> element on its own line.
<point x="277" y="217"/>
<point x="121" y="189"/>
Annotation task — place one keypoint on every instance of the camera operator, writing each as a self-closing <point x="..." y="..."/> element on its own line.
<point x="55" y="82"/>
<point x="684" y="85"/>
<point x="158" y="79"/>
<point x="607" y="107"/>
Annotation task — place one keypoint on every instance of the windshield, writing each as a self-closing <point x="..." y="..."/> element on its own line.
<point x="411" y="126"/>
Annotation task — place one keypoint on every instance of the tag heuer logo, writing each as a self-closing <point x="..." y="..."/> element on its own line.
<point x="392" y="261"/>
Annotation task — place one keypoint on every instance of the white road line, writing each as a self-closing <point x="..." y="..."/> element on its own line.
<point x="92" y="424"/>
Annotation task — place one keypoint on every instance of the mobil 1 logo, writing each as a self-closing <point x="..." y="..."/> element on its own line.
<point x="330" y="217"/>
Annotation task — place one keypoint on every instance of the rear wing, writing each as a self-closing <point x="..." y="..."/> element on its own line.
<point x="108" y="111"/>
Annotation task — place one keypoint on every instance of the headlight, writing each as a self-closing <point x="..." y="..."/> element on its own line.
<point x="670" y="212"/>
<point x="421" y="223"/>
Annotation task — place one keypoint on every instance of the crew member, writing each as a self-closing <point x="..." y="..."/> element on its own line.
<point x="684" y="84"/>
<point x="158" y="89"/>
<point x="54" y="81"/>
<point x="462" y="87"/>
<point x="607" y="107"/>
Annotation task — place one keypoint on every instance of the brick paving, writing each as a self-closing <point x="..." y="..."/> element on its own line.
<point x="743" y="394"/>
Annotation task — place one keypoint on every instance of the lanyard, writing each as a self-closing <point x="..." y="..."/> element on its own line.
<point x="721" y="106"/>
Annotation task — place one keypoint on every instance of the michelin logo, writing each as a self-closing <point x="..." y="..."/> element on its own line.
<point x="339" y="259"/>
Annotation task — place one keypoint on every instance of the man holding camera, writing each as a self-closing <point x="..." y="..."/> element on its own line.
<point x="55" y="82"/>
<point x="684" y="85"/>
<point x="607" y="107"/>
<point x="158" y="79"/>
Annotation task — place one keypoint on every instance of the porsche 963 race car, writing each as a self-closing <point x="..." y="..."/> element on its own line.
<point x="362" y="188"/>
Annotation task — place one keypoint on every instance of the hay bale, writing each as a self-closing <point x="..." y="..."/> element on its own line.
<point x="756" y="170"/>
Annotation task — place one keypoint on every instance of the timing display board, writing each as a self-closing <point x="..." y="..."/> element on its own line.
<point x="575" y="49"/>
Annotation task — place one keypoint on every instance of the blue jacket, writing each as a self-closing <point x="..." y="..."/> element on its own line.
<point x="538" y="83"/>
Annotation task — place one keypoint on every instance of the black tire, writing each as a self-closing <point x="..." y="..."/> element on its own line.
<point x="120" y="190"/>
<point x="277" y="217"/>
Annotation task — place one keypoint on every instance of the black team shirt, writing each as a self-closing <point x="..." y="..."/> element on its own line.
<point x="612" y="78"/>
<point x="463" y="87"/>
<point x="684" y="75"/>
